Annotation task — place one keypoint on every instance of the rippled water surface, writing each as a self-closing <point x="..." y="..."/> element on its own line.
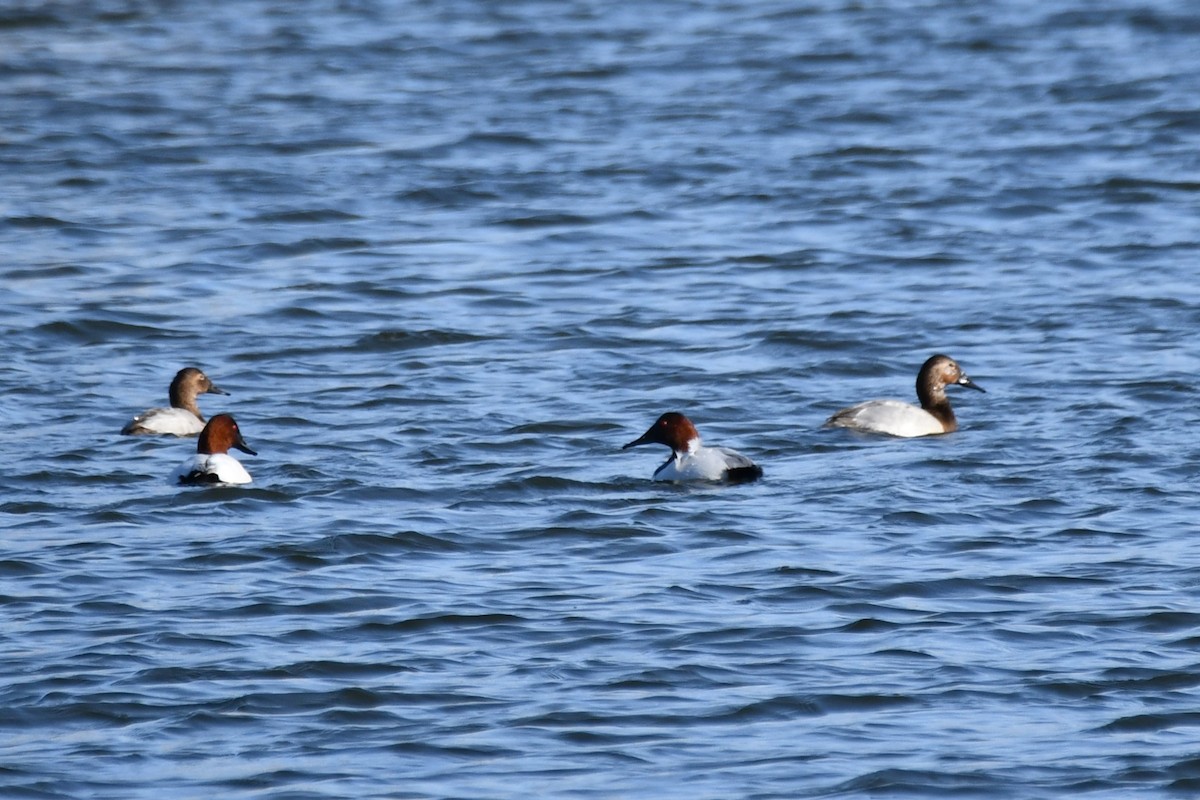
<point x="447" y="257"/>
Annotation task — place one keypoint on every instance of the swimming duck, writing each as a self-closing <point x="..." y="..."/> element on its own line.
<point x="212" y="463"/>
<point x="897" y="418"/>
<point x="183" y="417"/>
<point x="691" y="461"/>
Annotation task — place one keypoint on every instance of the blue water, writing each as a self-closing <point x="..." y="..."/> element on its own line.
<point x="447" y="257"/>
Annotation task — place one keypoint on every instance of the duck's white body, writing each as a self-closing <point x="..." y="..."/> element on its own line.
<point x="701" y="463"/>
<point x="165" y="421"/>
<point x="210" y="468"/>
<point x="893" y="417"/>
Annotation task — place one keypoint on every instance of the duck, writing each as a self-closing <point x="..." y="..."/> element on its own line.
<point x="183" y="417"/>
<point x="896" y="418"/>
<point x="690" y="460"/>
<point x="212" y="463"/>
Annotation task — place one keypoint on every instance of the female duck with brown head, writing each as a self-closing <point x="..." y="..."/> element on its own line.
<point x="689" y="460"/>
<point x="183" y="418"/>
<point x="897" y="418"/>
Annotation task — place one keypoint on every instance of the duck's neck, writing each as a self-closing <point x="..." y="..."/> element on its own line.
<point x="931" y="394"/>
<point x="185" y="401"/>
<point x="943" y="413"/>
<point x="933" y="399"/>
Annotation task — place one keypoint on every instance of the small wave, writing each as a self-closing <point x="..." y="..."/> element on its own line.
<point x="390" y="340"/>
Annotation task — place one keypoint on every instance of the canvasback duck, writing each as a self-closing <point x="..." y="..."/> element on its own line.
<point x="183" y="418"/>
<point x="689" y="460"/>
<point x="897" y="418"/>
<point x="212" y="462"/>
